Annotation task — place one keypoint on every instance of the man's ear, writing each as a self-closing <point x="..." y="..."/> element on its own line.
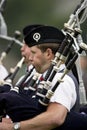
<point x="49" y="53"/>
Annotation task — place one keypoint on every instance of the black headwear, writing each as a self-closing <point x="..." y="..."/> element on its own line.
<point x="44" y="34"/>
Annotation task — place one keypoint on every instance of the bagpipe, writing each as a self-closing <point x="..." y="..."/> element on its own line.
<point x="9" y="47"/>
<point x="13" y="71"/>
<point x="3" y="26"/>
<point x="14" y="39"/>
<point x="67" y="53"/>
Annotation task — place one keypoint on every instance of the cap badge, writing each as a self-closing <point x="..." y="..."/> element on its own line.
<point x="36" y="36"/>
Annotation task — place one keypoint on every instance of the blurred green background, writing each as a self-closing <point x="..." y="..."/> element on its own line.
<point x="19" y="13"/>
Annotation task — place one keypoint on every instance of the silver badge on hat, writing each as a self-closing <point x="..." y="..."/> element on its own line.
<point x="36" y="36"/>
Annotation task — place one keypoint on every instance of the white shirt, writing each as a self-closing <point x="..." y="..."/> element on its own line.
<point x="65" y="93"/>
<point x="3" y="72"/>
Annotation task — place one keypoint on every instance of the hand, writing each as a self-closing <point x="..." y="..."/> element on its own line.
<point x="6" y="126"/>
<point x="6" y="120"/>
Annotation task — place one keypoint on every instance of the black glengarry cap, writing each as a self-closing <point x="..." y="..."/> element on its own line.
<point x="44" y="34"/>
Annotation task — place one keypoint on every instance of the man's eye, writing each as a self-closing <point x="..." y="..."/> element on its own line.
<point x="33" y="52"/>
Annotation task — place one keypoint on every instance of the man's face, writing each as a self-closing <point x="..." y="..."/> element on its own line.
<point x="25" y="52"/>
<point x="39" y="59"/>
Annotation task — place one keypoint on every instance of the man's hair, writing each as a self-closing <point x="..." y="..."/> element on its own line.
<point x="43" y="47"/>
